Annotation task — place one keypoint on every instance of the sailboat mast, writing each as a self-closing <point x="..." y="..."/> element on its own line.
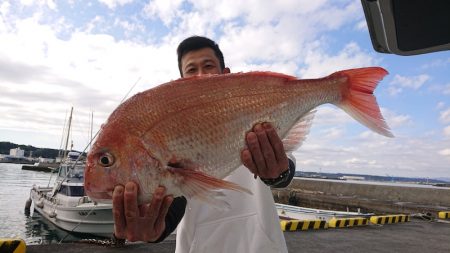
<point x="68" y="133"/>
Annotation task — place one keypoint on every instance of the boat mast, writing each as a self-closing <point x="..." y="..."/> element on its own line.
<point x="68" y="132"/>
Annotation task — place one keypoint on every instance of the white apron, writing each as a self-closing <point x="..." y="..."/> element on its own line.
<point x="250" y="225"/>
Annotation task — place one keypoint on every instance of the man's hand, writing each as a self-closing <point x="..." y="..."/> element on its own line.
<point x="264" y="156"/>
<point x="135" y="222"/>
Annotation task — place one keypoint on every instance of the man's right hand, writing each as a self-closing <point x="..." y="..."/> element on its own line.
<point x="135" y="222"/>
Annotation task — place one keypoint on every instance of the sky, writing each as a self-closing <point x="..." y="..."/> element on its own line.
<point x="89" y="55"/>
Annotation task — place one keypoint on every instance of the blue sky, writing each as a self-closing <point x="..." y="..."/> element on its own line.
<point x="88" y="54"/>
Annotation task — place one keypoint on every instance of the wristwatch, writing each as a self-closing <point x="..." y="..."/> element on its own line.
<point x="283" y="179"/>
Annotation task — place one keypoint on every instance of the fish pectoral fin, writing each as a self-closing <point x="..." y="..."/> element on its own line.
<point x="295" y="137"/>
<point x="199" y="185"/>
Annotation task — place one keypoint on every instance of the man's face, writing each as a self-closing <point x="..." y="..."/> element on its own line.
<point x="200" y="62"/>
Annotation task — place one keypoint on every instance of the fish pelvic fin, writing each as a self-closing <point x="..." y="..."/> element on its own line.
<point x="358" y="99"/>
<point x="297" y="134"/>
<point x="199" y="185"/>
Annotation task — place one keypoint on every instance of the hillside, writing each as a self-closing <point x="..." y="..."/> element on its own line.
<point x="37" y="152"/>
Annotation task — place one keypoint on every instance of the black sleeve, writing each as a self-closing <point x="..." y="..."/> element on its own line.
<point x="284" y="182"/>
<point x="174" y="215"/>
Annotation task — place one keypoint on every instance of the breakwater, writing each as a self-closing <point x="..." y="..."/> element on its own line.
<point x="365" y="196"/>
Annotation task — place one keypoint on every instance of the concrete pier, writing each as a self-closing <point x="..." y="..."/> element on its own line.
<point x="367" y="196"/>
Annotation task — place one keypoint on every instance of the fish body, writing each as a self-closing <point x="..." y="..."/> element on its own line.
<point x="187" y="135"/>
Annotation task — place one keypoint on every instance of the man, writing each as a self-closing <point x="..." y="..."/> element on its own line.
<point x="251" y="224"/>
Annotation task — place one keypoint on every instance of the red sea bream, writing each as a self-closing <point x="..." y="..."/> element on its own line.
<point x="187" y="135"/>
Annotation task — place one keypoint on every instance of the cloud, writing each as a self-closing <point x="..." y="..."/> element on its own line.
<point x="395" y="120"/>
<point x="165" y="10"/>
<point x="321" y="64"/>
<point x="112" y="4"/>
<point x="445" y="152"/>
<point x="393" y="91"/>
<point x="333" y="133"/>
<point x="413" y="82"/>
<point x="440" y="105"/>
<point x="445" y="116"/>
<point x="361" y="25"/>
<point x="436" y="63"/>
<point x="447" y="132"/>
<point x="446" y="89"/>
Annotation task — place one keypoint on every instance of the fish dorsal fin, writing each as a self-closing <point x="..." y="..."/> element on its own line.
<point x="295" y="137"/>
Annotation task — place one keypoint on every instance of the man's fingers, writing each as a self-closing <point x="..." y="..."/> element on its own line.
<point x="160" y="223"/>
<point x="247" y="160"/>
<point x="131" y="210"/>
<point x="255" y="150"/>
<point x="277" y="147"/>
<point x="267" y="152"/>
<point x="118" y="213"/>
<point x="155" y="206"/>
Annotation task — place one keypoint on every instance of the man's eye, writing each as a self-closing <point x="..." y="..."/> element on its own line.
<point x="192" y="70"/>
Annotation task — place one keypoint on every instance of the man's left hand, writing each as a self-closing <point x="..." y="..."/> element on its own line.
<point x="264" y="155"/>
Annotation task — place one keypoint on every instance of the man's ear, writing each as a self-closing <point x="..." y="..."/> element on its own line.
<point x="226" y="70"/>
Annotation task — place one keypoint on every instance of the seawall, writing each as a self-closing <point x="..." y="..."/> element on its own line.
<point x="367" y="196"/>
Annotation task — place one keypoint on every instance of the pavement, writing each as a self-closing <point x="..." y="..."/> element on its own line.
<point x="417" y="235"/>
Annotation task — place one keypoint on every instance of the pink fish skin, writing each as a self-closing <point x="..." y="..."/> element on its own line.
<point x="187" y="134"/>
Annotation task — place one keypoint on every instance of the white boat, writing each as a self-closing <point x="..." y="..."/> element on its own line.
<point x="288" y="212"/>
<point x="66" y="205"/>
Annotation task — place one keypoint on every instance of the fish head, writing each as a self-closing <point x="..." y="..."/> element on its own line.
<point x="115" y="159"/>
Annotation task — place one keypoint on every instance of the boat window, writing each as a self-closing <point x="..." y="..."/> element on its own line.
<point x="76" y="191"/>
<point x="62" y="171"/>
<point x="63" y="190"/>
<point x="76" y="172"/>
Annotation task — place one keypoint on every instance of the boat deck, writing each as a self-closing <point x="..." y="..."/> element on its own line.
<point x="415" y="236"/>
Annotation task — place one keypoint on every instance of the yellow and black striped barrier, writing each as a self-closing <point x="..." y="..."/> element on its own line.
<point x="444" y="215"/>
<point x="347" y="222"/>
<point x="295" y="225"/>
<point x="12" y="245"/>
<point x="396" y="218"/>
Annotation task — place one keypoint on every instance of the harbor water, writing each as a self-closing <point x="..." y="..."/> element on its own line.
<point x="15" y="222"/>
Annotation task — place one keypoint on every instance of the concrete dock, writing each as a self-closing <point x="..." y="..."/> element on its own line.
<point x="366" y="196"/>
<point x="414" y="236"/>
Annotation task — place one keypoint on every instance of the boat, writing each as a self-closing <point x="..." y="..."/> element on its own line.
<point x="66" y="205"/>
<point x="42" y="166"/>
<point x="289" y="212"/>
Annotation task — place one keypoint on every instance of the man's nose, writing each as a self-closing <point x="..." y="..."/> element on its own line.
<point x="201" y="72"/>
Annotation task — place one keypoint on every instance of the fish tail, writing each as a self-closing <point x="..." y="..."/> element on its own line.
<point x="358" y="99"/>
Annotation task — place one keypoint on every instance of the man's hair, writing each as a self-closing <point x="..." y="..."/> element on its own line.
<point x="195" y="43"/>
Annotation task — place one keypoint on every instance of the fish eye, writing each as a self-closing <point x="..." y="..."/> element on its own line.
<point x="106" y="160"/>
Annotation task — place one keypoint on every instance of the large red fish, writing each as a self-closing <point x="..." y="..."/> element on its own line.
<point x="188" y="134"/>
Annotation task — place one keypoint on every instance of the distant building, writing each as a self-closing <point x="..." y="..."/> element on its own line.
<point x="17" y="152"/>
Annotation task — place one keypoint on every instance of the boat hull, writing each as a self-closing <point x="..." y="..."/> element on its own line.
<point x="86" y="218"/>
